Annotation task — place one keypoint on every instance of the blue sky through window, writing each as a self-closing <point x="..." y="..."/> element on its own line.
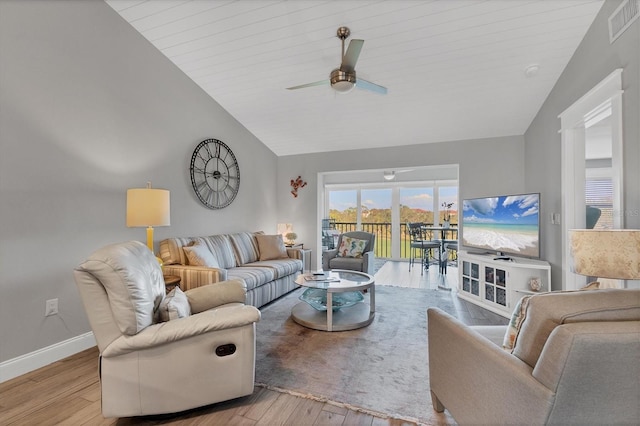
<point x="417" y="198"/>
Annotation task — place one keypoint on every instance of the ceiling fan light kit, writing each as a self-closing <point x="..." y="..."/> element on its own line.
<point x="343" y="82"/>
<point x="343" y="79"/>
<point x="389" y="175"/>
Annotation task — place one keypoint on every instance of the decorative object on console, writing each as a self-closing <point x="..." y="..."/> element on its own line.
<point x="606" y="253"/>
<point x="296" y="184"/>
<point x="148" y="207"/>
<point x="284" y="228"/>
<point x="291" y="237"/>
<point x="534" y="284"/>
<point x="215" y="174"/>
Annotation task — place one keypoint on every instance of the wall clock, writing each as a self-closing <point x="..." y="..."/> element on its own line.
<point x="215" y="174"/>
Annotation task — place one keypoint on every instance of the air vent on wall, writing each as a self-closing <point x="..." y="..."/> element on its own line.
<point x="622" y="18"/>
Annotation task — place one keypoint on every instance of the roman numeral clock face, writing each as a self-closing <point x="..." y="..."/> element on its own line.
<point x="215" y="174"/>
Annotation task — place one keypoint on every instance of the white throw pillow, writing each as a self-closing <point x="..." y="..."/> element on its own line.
<point x="271" y="247"/>
<point x="200" y="255"/>
<point x="175" y="305"/>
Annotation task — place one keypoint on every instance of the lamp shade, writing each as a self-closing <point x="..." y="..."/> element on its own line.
<point x="606" y="253"/>
<point x="148" y="207"/>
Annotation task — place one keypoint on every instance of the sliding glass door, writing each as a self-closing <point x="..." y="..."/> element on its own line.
<point x="385" y="209"/>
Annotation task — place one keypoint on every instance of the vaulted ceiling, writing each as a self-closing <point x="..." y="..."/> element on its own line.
<point x="454" y="69"/>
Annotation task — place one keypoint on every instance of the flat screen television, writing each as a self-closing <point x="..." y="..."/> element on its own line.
<point x="505" y="224"/>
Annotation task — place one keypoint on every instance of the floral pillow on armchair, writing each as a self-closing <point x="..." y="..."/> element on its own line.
<point x="351" y="247"/>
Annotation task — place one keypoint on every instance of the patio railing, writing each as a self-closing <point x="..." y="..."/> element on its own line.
<point x="383" y="236"/>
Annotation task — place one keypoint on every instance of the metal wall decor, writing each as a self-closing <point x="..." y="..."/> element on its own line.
<point x="215" y="173"/>
<point x="295" y="184"/>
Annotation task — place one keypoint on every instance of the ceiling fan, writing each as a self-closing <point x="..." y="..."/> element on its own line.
<point x="391" y="175"/>
<point x="343" y="79"/>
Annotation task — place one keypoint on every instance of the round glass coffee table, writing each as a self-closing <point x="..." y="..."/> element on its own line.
<point x="334" y="302"/>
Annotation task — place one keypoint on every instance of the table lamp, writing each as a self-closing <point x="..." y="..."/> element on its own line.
<point x="606" y="253"/>
<point x="148" y="207"/>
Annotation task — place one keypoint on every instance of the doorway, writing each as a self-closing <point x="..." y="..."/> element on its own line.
<point x="592" y="176"/>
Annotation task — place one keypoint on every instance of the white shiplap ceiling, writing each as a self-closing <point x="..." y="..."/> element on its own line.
<point x="455" y="69"/>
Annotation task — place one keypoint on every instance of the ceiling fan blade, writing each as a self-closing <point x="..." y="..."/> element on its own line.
<point x="367" y="85"/>
<point x="351" y="57"/>
<point x="316" y="83"/>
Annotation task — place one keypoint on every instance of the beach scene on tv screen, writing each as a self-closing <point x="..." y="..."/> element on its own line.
<point x="506" y="224"/>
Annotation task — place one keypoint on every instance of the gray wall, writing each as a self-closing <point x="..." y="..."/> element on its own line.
<point x="88" y="108"/>
<point x="486" y="167"/>
<point x="594" y="59"/>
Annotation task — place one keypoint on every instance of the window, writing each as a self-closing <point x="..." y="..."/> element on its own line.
<point x="385" y="209"/>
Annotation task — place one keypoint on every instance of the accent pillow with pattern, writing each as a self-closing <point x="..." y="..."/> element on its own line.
<point x="518" y="316"/>
<point x="351" y="247"/>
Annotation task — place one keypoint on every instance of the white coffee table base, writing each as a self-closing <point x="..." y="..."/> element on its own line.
<point x="348" y="318"/>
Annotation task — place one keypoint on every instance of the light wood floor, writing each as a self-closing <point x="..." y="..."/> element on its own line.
<point x="67" y="392"/>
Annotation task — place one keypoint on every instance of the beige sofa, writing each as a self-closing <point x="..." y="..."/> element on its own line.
<point x="235" y="256"/>
<point x="576" y="360"/>
<point x="204" y="354"/>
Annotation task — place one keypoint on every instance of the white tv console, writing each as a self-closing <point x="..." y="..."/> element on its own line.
<point x="497" y="284"/>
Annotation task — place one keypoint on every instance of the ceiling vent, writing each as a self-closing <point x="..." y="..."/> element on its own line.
<point x="622" y="18"/>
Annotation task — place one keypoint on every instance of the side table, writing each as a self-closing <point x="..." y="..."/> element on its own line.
<point x="171" y="281"/>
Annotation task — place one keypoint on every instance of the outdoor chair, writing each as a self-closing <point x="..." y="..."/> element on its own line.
<point x="420" y="244"/>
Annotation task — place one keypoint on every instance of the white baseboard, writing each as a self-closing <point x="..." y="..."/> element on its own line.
<point x="32" y="361"/>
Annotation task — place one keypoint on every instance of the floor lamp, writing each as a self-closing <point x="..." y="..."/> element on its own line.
<point x="147" y="207"/>
<point x="606" y="253"/>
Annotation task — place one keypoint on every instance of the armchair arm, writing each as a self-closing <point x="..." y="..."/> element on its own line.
<point x="195" y="276"/>
<point x="212" y="295"/>
<point x="464" y="365"/>
<point x="327" y="256"/>
<point x="368" y="265"/>
<point x="231" y="316"/>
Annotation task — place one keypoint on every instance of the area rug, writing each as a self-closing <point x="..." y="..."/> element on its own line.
<point x="382" y="368"/>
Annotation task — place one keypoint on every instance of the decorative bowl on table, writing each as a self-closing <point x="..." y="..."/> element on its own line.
<point x="317" y="298"/>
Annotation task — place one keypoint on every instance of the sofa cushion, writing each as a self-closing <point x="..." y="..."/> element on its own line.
<point x="175" y="305"/>
<point x="220" y="247"/>
<point x="281" y="267"/>
<point x="252" y="276"/>
<point x="352" y="263"/>
<point x="548" y="310"/>
<point x="200" y="255"/>
<point x="271" y="247"/>
<point x="245" y="247"/>
<point x="132" y="277"/>
<point x="351" y="247"/>
<point x="171" y="251"/>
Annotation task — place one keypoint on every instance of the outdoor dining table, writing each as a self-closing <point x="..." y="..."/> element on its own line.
<point x="443" y="231"/>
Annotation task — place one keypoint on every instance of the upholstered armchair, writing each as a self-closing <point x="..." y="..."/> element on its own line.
<point x="350" y="254"/>
<point x="204" y="353"/>
<point x="566" y="358"/>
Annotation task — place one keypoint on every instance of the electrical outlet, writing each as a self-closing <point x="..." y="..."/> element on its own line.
<point x="51" y="307"/>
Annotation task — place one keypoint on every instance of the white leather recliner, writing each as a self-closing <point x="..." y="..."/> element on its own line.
<point x="151" y="367"/>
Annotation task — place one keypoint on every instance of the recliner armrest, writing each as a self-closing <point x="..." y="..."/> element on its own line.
<point x="213" y="295"/>
<point x="225" y="317"/>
